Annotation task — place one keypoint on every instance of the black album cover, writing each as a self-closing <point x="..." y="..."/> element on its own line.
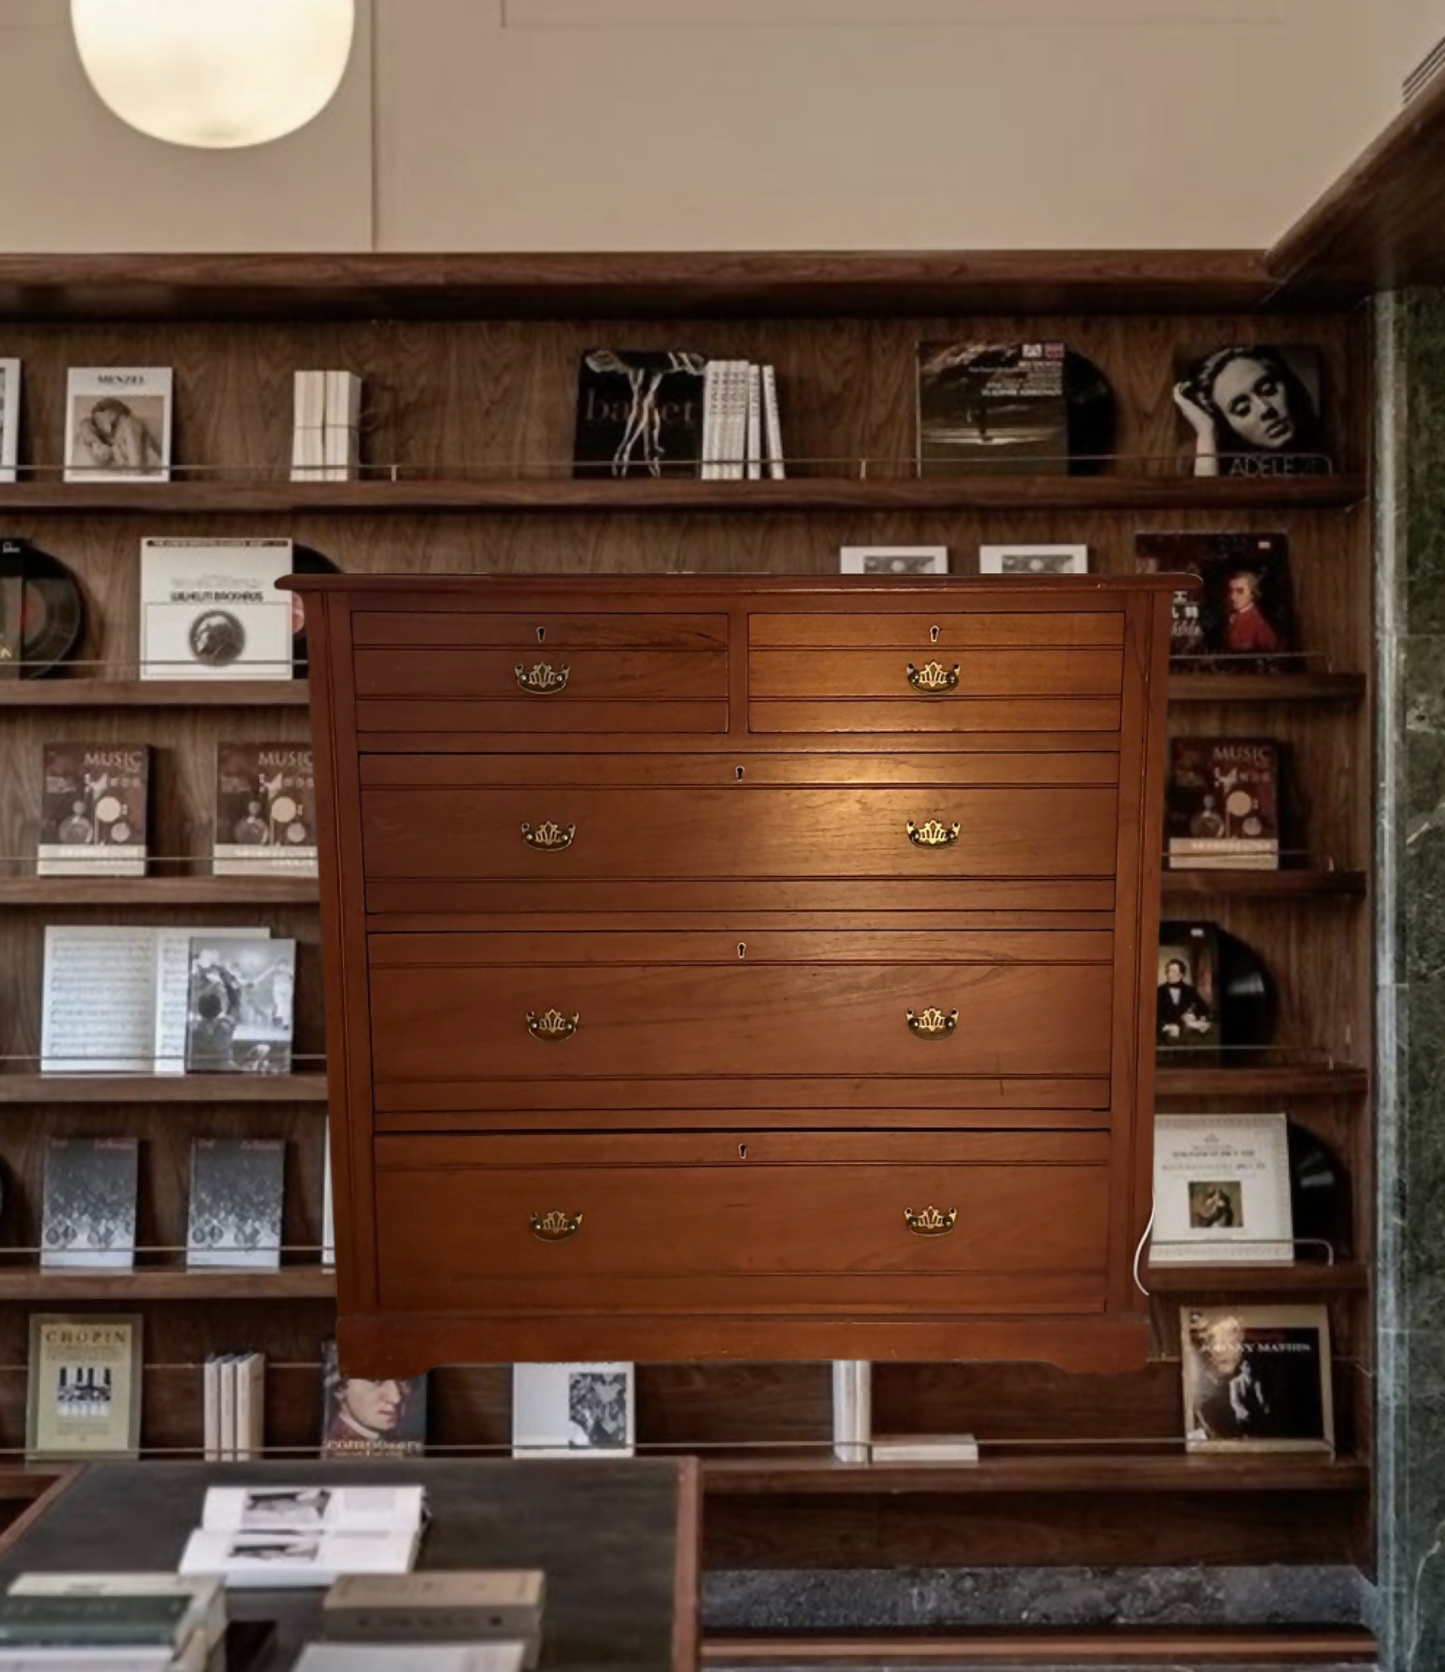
<point x="93" y="810"/>
<point x="88" y="1210"/>
<point x="1252" y="410"/>
<point x="1187" y="1010"/>
<point x="237" y="1185"/>
<point x="239" y="1006"/>
<point x="639" y="413"/>
<point x="1241" y="619"/>
<point x="1223" y="804"/>
<point x="1257" y="1378"/>
<point x="365" y="1418"/>
<point x="41" y="614"/>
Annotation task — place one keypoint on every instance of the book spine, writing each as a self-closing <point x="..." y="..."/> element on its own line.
<point x="712" y="380"/>
<point x="755" y="424"/>
<point x="735" y="422"/>
<point x="227" y="1371"/>
<point x="308" y="461"/>
<point x="9" y="419"/>
<point x="773" y="426"/>
<point x="211" y="1409"/>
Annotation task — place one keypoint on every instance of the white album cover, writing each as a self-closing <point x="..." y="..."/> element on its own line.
<point x="118" y="424"/>
<point x="9" y="418"/>
<point x="1221" y="1190"/>
<point x="566" y="1410"/>
<point x="1033" y="560"/>
<point x="211" y="609"/>
<point x="893" y="560"/>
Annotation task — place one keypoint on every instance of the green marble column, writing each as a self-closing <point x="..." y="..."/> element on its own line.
<point x="1410" y="1100"/>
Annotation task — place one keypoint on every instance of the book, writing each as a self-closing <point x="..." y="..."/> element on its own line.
<point x="368" y="1418"/>
<point x="341" y="435"/>
<point x="240" y="1005"/>
<point x="211" y="609"/>
<point x="235" y="1202"/>
<point x="92" y="1620"/>
<point x="308" y="428"/>
<point x="1188" y="1001"/>
<point x="9" y="419"/>
<point x="1241" y="618"/>
<point x="309" y="1507"/>
<point x="773" y="452"/>
<point x="84" y="1392"/>
<point x="563" y="1410"/>
<point x="852" y="1409"/>
<point x="118" y="424"/>
<point x="265" y="810"/>
<point x="420" y="1657"/>
<point x="992" y="407"/>
<point x="1033" y="561"/>
<point x="1257" y="1378"/>
<point x="1252" y="409"/>
<point x="93" y="810"/>
<point x="455" y="1606"/>
<point x="88" y="1212"/>
<point x="1221" y="1190"/>
<point x="328" y="1205"/>
<point x="925" y="1448"/>
<point x="893" y="560"/>
<point x="1223" y="804"/>
<point x="639" y="413"/>
<point x="206" y="1598"/>
<point x="304" y="1534"/>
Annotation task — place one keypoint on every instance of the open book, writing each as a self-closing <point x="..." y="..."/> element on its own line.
<point x="305" y="1534"/>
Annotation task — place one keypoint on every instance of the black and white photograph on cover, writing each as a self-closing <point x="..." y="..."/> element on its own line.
<point x="1216" y="1204"/>
<point x="1187" y="997"/>
<point x="364" y="1417"/>
<point x="299" y="1550"/>
<point x="1257" y="1378"/>
<point x="83" y="1396"/>
<point x="237" y="1187"/>
<point x="89" y="1203"/>
<point x="893" y="560"/>
<point x="84" y="1391"/>
<point x="1253" y="410"/>
<point x="297" y="1508"/>
<point x="597" y="1408"/>
<point x="125" y="436"/>
<point x="1033" y="560"/>
<point x="239" y="1006"/>
<point x="639" y="413"/>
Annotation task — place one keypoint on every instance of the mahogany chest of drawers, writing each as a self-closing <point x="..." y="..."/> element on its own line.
<point x="739" y="967"/>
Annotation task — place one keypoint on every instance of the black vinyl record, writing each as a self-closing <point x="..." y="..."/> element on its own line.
<point x="41" y="613"/>
<point x="305" y="560"/>
<point x="1318" y="1197"/>
<point x="1090" y="403"/>
<point x="1246" y="995"/>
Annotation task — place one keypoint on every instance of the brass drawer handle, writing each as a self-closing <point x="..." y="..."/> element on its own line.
<point x="542" y="679"/>
<point x="555" y="1226"/>
<point x="552" y="1024"/>
<point x="932" y="834"/>
<point x="932" y="1222"/>
<point x="933" y="677"/>
<point x="550" y="837"/>
<point x="932" y="1023"/>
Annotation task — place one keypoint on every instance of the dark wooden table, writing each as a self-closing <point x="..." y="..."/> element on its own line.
<point x="617" y="1540"/>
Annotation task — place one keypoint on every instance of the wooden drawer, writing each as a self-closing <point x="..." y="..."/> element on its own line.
<point x="538" y="631"/>
<point x="745" y="1221"/>
<point x="939" y="631"/>
<point x="889" y="673"/>
<point x="459" y="832"/>
<point x="481" y="1009"/>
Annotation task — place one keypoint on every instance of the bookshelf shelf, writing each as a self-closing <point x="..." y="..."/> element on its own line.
<point x="1347" y="1276"/>
<point x="1281" y="688"/>
<point x="1263" y="885"/>
<point x="1322" y="1081"/>
<point x="162" y="1088"/>
<point x="298" y="1282"/>
<point x="154" y="693"/>
<point x="159" y="891"/>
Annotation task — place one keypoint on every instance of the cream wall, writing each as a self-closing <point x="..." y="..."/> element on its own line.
<point x="738" y="124"/>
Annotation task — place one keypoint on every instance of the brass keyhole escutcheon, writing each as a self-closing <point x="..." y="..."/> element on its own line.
<point x="542" y="634"/>
<point x="933" y="635"/>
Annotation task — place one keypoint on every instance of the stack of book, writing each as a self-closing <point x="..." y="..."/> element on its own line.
<point x="269" y="1537"/>
<point x="112" y="1622"/>
<point x="741" y="434"/>
<point x="234" y="1406"/>
<point x="425" y="1620"/>
<point x="324" y="442"/>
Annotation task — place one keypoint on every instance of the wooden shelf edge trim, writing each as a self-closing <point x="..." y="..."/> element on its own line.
<point x="1346" y="1275"/>
<point x="162" y="1088"/>
<point x="154" y="693"/>
<point x="299" y="1282"/>
<point x="158" y="891"/>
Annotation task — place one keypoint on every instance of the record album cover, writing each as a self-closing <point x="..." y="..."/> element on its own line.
<point x="239" y="1006"/>
<point x="367" y="1418"/>
<point x="237" y="1186"/>
<point x="992" y="407"/>
<point x="87" y="1216"/>
<point x="1187" y="1019"/>
<point x="118" y="424"/>
<point x="1221" y="1190"/>
<point x="93" y="810"/>
<point x="1223" y="804"/>
<point x="265" y="810"/>
<point x="1252" y="409"/>
<point x="1241" y="618"/>
<point x="639" y="413"/>
<point x="211" y="609"/>
<point x="560" y="1410"/>
<point x="1257" y="1378"/>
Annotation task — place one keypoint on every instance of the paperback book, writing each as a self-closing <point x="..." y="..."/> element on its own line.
<point x="1223" y="804"/>
<point x="84" y="1392"/>
<point x="9" y="419"/>
<point x="366" y="1418"/>
<point x="211" y="609"/>
<point x="233" y="1390"/>
<point x="88" y="1211"/>
<point x="235" y="1204"/>
<point x="1221" y="1190"/>
<point x="118" y="424"/>
<point x="1240" y="620"/>
<point x="93" y="810"/>
<point x="562" y="1410"/>
<point x="240" y="1005"/>
<point x="265" y="810"/>
<point x="1257" y="1378"/>
<point x="205" y="1599"/>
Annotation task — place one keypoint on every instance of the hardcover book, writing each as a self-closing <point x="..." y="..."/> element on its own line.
<point x="561" y="1410"/>
<point x="265" y="810"/>
<point x="362" y="1418"/>
<point x="88" y="1212"/>
<point x="93" y="810"/>
<point x="997" y="407"/>
<point x="239" y="1006"/>
<point x="80" y="1623"/>
<point x="84" y="1387"/>
<point x="205" y="1598"/>
<point x="9" y="419"/>
<point x="118" y="424"/>
<point x="211" y="609"/>
<point x="639" y="413"/>
<point x="1188" y="999"/>
<point x="235" y="1206"/>
<point x="1240" y="620"/>
<point x="1223" y="804"/>
<point x="457" y="1606"/>
<point x="269" y="1536"/>
<point x="1221" y="1190"/>
<point x="1252" y="409"/>
<point x="1257" y="1378"/>
<point x="420" y="1657"/>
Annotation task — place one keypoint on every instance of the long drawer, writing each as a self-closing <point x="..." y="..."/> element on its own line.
<point x="474" y="1010"/>
<point x="977" y="1222"/>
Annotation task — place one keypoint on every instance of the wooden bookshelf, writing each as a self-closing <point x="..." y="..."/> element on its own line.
<point x="162" y="1088"/>
<point x="146" y="892"/>
<point x="1263" y="885"/>
<point x="148" y="1283"/>
<point x="1344" y="1277"/>
<point x="80" y="692"/>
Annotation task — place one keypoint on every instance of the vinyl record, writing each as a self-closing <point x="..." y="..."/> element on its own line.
<point x="305" y="560"/>
<point x="1247" y="996"/>
<point x="1090" y="403"/>
<point x="1317" y="1192"/>
<point x="41" y="598"/>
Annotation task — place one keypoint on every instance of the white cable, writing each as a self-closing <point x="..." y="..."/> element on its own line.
<point x="1140" y="1249"/>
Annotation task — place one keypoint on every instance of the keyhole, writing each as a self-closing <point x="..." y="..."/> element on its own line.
<point x="933" y="635"/>
<point x="742" y="949"/>
<point x="739" y="772"/>
<point x="541" y="634"/>
<point x="742" y="1152"/>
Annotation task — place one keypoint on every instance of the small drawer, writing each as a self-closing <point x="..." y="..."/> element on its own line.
<point x="537" y="631"/>
<point x="939" y="631"/>
<point x="577" y="677"/>
<point x="930" y="679"/>
<point x="745" y="1222"/>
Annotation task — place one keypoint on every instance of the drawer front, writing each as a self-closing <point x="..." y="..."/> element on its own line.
<point x="498" y="675"/>
<point x="566" y="835"/>
<point x="451" y="1013"/>
<point x="538" y="632"/>
<point x="955" y="712"/>
<point x="939" y="631"/>
<point x="894" y="674"/>
<point x="977" y="1222"/>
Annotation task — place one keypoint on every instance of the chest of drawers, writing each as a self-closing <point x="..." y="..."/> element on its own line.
<point x="739" y="967"/>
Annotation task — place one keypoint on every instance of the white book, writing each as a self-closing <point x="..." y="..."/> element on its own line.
<point x="502" y="1656"/>
<point x="9" y="419"/>
<point x="1222" y="1190"/>
<point x="733" y="443"/>
<point x="211" y="609"/>
<point x="328" y="1216"/>
<point x="250" y="1407"/>
<point x="925" y="1448"/>
<point x="207" y="1615"/>
<point x="712" y="391"/>
<point x="308" y="428"/>
<point x="852" y="1409"/>
<point x="226" y="1371"/>
<point x="285" y="1560"/>
<point x="571" y="1410"/>
<point x="211" y="1409"/>
<point x="306" y="1507"/>
<point x="773" y="427"/>
<point x="98" y="1000"/>
<point x="95" y="1660"/>
<point x="118" y="424"/>
<point x="343" y="419"/>
<point x="754" y="429"/>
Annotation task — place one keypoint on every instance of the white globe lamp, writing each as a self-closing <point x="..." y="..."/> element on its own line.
<point x="215" y="73"/>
